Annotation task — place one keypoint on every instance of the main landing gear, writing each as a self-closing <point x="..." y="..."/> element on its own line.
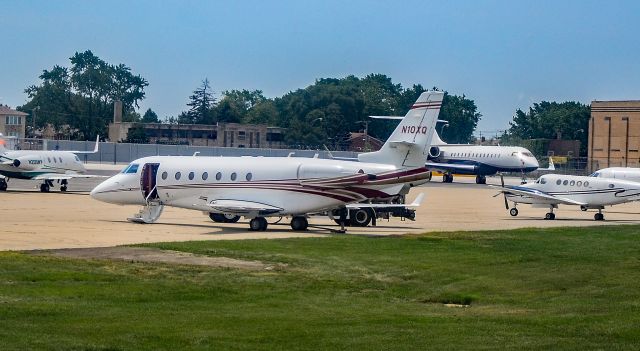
<point x="63" y="185"/>
<point x="299" y="223"/>
<point x="513" y="212"/>
<point x="480" y="179"/>
<point x="447" y="178"/>
<point x="46" y="186"/>
<point x="3" y="184"/>
<point x="599" y="216"/>
<point x="258" y="224"/>
<point x="550" y="216"/>
<point x="223" y="218"/>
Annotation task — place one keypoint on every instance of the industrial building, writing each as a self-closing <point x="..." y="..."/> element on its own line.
<point x="614" y="134"/>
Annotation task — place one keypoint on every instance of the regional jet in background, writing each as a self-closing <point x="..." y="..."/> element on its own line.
<point x="259" y="187"/>
<point x="46" y="166"/>
<point x="552" y="190"/>
<point x="480" y="160"/>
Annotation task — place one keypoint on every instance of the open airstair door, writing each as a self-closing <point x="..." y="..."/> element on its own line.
<point x="148" y="181"/>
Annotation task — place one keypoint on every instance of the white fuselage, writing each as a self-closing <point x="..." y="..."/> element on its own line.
<point x="292" y="184"/>
<point x="594" y="191"/>
<point x="28" y="164"/>
<point x="488" y="159"/>
<point x="622" y="173"/>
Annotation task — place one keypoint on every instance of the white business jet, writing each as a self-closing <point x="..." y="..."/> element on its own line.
<point x="479" y="160"/>
<point x="259" y="187"/>
<point x="623" y="173"/>
<point x="552" y="190"/>
<point x="46" y="166"/>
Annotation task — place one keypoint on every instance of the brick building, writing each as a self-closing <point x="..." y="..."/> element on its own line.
<point x="614" y="134"/>
<point x="12" y="122"/>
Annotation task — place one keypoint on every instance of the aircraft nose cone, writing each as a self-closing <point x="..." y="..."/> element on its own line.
<point x="102" y="191"/>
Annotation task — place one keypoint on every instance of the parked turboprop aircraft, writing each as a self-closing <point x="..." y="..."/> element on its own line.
<point x="479" y="160"/>
<point x="258" y="187"/>
<point x="624" y="173"/>
<point x="41" y="165"/>
<point x="552" y="190"/>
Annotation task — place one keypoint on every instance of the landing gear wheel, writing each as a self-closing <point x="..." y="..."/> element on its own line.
<point x="63" y="188"/>
<point x="3" y="185"/>
<point x="480" y="179"/>
<point x="229" y="218"/>
<point x="360" y="217"/>
<point x="223" y="218"/>
<point x="513" y="212"/>
<point x="258" y="224"/>
<point x="216" y="217"/>
<point x="44" y="188"/>
<point x="299" y="223"/>
<point x="598" y="217"/>
<point x="550" y="216"/>
<point x="583" y="208"/>
<point x="447" y="178"/>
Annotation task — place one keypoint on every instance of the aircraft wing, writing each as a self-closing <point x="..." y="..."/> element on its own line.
<point x="65" y="176"/>
<point x="241" y="207"/>
<point x="450" y="167"/>
<point x="415" y="203"/>
<point x="536" y="194"/>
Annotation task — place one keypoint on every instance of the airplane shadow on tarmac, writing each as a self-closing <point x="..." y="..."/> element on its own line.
<point x="242" y="228"/>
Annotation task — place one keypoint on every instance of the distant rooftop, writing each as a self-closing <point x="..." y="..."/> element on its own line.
<point x="6" y="110"/>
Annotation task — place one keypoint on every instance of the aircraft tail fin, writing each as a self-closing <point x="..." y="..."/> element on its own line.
<point x="409" y="143"/>
<point x="436" y="139"/>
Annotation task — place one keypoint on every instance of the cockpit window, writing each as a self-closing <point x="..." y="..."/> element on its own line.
<point x="594" y="174"/>
<point x="76" y="157"/>
<point x="528" y="154"/>
<point x="132" y="168"/>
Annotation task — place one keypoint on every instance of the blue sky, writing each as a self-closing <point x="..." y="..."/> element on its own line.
<point x="503" y="54"/>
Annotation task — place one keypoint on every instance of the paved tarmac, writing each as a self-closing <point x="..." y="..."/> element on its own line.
<point x="33" y="220"/>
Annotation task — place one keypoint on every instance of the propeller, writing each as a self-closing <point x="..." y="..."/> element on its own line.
<point x="506" y="203"/>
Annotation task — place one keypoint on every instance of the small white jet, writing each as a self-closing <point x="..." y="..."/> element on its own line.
<point x="623" y="173"/>
<point x="259" y="187"/>
<point x="551" y="190"/>
<point x="46" y="166"/>
<point x="479" y="160"/>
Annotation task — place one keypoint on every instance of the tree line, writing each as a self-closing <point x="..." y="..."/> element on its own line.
<point x="77" y="101"/>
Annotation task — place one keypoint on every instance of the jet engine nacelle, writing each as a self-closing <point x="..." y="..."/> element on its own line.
<point x="434" y="152"/>
<point x="27" y="162"/>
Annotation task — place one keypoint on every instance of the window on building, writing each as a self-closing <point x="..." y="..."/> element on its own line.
<point x="242" y="135"/>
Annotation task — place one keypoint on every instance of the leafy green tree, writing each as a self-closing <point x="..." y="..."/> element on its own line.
<point x="150" y="117"/>
<point x="79" y="99"/>
<point x="551" y="120"/>
<point x="264" y="112"/>
<point x="137" y="135"/>
<point x="229" y="111"/>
